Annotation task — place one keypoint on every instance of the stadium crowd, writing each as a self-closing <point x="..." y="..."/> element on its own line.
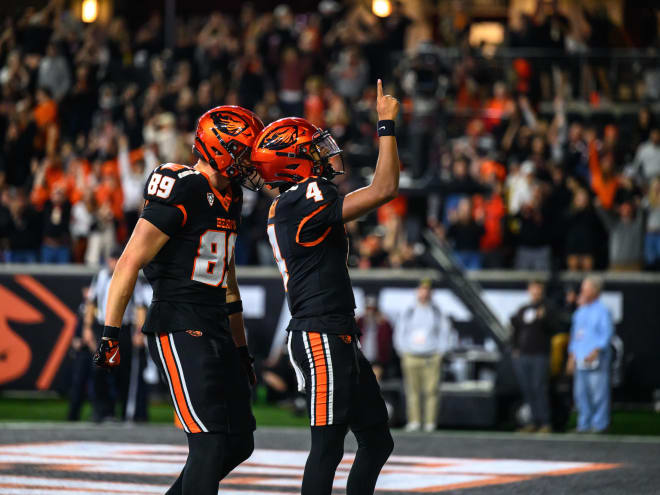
<point x="88" y="110"/>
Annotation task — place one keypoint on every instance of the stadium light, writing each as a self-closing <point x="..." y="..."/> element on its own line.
<point x="381" y="8"/>
<point x="90" y="10"/>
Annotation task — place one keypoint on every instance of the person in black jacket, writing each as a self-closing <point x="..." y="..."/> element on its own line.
<point x="533" y="326"/>
<point x="23" y="230"/>
<point x="465" y="233"/>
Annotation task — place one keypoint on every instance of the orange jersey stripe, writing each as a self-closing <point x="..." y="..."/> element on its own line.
<point x="271" y="210"/>
<point x="321" y="375"/>
<point x="176" y="384"/>
<point x="304" y="221"/>
<point x="185" y="214"/>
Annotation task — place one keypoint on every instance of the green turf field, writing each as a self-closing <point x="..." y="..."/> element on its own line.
<point x="635" y="422"/>
<point x="52" y="409"/>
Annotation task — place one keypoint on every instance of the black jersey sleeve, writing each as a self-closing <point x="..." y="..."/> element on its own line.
<point x="170" y="184"/>
<point x="167" y="218"/>
<point x="318" y="208"/>
<point x="167" y="193"/>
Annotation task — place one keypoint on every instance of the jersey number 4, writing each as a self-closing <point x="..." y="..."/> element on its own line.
<point x="313" y="191"/>
<point x="216" y="248"/>
<point x="160" y="185"/>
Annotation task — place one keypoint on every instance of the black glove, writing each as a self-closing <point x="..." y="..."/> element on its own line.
<point x="247" y="363"/>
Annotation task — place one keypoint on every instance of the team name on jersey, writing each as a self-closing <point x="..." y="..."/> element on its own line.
<point x="186" y="173"/>
<point x="226" y="223"/>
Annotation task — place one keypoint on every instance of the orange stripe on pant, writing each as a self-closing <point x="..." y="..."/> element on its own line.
<point x="177" y="387"/>
<point x="320" y="399"/>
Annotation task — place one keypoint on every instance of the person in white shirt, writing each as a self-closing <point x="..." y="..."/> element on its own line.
<point x="133" y="174"/>
<point x="647" y="157"/>
<point x="422" y="335"/>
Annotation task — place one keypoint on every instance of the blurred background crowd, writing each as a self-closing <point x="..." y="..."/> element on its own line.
<point x="532" y="143"/>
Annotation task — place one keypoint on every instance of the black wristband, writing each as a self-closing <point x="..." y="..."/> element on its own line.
<point x="385" y="128"/>
<point x="235" y="307"/>
<point x="111" y="333"/>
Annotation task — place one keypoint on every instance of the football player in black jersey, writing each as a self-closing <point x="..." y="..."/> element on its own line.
<point x="185" y="241"/>
<point x="306" y="231"/>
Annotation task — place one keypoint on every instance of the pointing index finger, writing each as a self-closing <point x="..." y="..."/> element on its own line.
<point x="379" y="89"/>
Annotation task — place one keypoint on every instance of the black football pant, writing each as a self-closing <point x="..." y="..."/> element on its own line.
<point x="211" y="397"/>
<point x="375" y="445"/>
<point x="211" y="457"/>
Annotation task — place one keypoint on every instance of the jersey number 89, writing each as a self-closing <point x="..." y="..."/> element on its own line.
<point x="160" y="185"/>
<point x="216" y="247"/>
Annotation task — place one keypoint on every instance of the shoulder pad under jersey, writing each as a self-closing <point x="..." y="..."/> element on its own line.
<point x="171" y="183"/>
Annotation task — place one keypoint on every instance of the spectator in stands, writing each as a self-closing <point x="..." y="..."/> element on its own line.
<point x="626" y="236"/>
<point x="133" y="174"/>
<point x="647" y="158"/>
<point x="66" y="85"/>
<point x="533" y="326"/>
<point x="376" y="339"/>
<point x="101" y="239"/>
<point x="465" y="234"/>
<point x="604" y="179"/>
<point x="520" y="185"/>
<point x="533" y="251"/>
<point x="589" y="358"/>
<point x="82" y="223"/>
<point x="494" y="213"/>
<point x="652" y="239"/>
<point x="349" y="74"/>
<point x="422" y="335"/>
<point x="580" y="226"/>
<point x="55" y="247"/>
<point x="54" y="73"/>
<point x="23" y="230"/>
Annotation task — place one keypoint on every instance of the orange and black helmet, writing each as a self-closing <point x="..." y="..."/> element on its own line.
<point x="292" y="149"/>
<point x="224" y="139"/>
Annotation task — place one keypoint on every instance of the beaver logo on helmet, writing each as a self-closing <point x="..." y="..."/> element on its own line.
<point x="280" y="138"/>
<point x="229" y="122"/>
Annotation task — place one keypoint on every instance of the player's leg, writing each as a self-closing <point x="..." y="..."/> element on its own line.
<point x="324" y="457"/>
<point x="239" y="448"/>
<point x="375" y="445"/>
<point x="206" y="456"/>
<point x="369" y="422"/>
<point x="214" y="449"/>
<point x="200" y="374"/>
<point x="325" y="363"/>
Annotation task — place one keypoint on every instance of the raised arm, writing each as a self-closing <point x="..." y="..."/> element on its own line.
<point x="385" y="184"/>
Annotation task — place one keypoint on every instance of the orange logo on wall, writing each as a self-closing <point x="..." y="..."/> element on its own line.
<point x="15" y="353"/>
